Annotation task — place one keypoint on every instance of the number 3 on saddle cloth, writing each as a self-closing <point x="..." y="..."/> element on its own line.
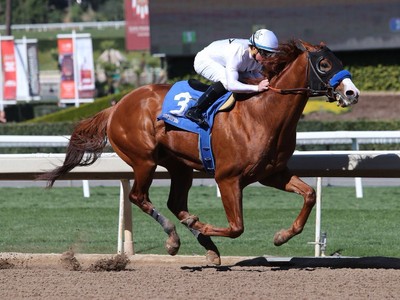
<point x="182" y="96"/>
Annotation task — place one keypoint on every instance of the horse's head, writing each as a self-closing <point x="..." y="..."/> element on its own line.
<point x="327" y="77"/>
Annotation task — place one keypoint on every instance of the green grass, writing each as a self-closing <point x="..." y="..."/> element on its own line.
<point x="51" y="221"/>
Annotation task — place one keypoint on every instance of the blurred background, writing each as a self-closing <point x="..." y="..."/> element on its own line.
<point x="136" y="42"/>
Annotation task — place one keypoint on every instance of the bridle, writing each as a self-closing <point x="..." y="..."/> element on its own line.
<point x="320" y="83"/>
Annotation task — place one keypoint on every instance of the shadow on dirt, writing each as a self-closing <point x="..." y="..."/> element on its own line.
<point x="333" y="262"/>
<point x="309" y="263"/>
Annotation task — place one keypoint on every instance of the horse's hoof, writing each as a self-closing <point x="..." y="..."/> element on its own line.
<point x="280" y="238"/>
<point x="171" y="249"/>
<point x="172" y="245"/>
<point x="213" y="257"/>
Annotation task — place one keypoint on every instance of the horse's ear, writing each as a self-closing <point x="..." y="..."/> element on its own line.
<point x="300" y="45"/>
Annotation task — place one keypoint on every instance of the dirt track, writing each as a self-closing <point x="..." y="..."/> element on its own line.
<point x="163" y="277"/>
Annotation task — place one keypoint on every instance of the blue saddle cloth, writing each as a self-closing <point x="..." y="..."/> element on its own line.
<point x="178" y="100"/>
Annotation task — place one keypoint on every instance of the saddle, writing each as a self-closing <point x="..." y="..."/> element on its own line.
<point x="202" y="87"/>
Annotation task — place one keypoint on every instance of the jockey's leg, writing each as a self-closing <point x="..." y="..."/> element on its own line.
<point x="195" y="113"/>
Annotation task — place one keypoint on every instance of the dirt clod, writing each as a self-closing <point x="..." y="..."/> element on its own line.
<point x="5" y="264"/>
<point x="116" y="263"/>
<point x="69" y="261"/>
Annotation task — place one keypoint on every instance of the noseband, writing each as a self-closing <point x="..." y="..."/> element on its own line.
<point x="320" y="83"/>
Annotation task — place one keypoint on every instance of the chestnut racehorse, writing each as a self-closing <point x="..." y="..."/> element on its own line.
<point x="252" y="142"/>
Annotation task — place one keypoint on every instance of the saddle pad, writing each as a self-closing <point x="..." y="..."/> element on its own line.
<point x="181" y="97"/>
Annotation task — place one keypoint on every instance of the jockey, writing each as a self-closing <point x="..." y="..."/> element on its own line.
<point x="227" y="63"/>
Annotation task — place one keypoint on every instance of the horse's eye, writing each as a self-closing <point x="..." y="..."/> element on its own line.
<point x="324" y="65"/>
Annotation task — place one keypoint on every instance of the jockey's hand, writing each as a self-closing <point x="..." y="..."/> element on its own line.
<point x="263" y="85"/>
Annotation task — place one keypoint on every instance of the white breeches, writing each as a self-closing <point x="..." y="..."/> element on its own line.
<point x="209" y="69"/>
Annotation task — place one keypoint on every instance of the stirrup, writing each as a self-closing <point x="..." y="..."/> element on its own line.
<point x="196" y="116"/>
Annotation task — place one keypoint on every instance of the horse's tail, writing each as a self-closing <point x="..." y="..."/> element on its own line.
<point x="86" y="145"/>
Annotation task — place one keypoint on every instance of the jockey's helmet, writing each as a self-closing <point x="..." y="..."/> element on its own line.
<point x="264" y="39"/>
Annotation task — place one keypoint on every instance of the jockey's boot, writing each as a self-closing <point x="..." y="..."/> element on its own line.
<point x="195" y="113"/>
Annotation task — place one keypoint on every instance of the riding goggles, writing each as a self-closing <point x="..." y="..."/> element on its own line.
<point x="265" y="53"/>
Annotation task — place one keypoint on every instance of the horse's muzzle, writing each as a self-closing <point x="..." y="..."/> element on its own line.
<point x="346" y="100"/>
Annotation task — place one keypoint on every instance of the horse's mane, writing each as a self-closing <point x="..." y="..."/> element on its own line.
<point x="287" y="52"/>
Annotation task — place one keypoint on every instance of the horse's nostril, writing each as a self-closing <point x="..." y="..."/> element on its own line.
<point x="350" y="93"/>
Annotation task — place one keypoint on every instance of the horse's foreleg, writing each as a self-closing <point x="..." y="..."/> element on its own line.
<point x="291" y="183"/>
<point x="181" y="182"/>
<point x="231" y="196"/>
<point x="139" y="195"/>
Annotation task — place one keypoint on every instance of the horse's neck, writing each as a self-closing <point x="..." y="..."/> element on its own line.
<point x="283" y="109"/>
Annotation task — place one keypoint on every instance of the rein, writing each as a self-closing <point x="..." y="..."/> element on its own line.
<point x="329" y="92"/>
<point x="292" y="91"/>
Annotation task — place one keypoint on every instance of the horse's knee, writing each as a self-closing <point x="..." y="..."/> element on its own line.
<point x="141" y="202"/>
<point x="236" y="232"/>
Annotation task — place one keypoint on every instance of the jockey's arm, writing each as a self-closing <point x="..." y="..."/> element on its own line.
<point x="234" y="85"/>
<point x="234" y="82"/>
<point x="246" y="85"/>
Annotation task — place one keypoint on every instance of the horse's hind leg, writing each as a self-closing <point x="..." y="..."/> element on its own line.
<point x="181" y="182"/>
<point x="290" y="183"/>
<point x="139" y="195"/>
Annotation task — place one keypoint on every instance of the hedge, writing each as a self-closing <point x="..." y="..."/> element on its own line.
<point x="376" y="78"/>
<point x="78" y="113"/>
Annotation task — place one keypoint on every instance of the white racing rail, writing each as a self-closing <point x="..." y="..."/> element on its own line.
<point x="353" y="138"/>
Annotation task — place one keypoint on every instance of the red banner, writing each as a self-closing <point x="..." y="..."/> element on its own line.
<point x="66" y="61"/>
<point x="137" y="30"/>
<point x="9" y="70"/>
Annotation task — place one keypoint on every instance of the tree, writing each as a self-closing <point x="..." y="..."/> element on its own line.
<point x="30" y="11"/>
<point x="57" y="11"/>
<point x="111" y="11"/>
<point x="8" y="17"/>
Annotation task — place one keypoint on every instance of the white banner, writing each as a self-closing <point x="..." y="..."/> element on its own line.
<point x="84" y="59"/>
<point x="77" y="68"/>
<point x="28" y="85"/>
